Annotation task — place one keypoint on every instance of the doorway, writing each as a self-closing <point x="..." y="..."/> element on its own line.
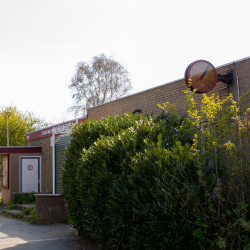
<point x="30" y="174"/>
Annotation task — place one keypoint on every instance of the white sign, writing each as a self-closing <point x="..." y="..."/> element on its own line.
<point x="64" y="129"/>
<point x="47" y="132"/>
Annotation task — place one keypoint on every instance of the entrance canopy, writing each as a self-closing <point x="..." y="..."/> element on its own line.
<point x="21" y="149"/>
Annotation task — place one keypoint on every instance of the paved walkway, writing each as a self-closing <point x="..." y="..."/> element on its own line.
<point x="24" y="236"/>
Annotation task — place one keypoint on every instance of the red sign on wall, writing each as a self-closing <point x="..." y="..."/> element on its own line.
<point x="30" y="167"/>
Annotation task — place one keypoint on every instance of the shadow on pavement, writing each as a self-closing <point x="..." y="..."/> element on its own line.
<point x="22" y="235"/>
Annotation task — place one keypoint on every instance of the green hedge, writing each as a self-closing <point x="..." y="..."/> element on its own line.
<point x="125" y="182"/>
<point x="20" y="198"/>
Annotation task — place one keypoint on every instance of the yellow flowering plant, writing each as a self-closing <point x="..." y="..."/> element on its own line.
<point x="221" y="155"/>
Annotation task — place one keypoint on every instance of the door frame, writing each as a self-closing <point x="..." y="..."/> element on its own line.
<point x="39" y="171"/>
<point x="8" y="171"/>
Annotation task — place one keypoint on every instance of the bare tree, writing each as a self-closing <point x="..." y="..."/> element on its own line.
<point x="103" y="80"/>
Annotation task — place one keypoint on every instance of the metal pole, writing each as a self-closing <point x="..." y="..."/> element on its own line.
<point x="54" y="161"/>
<point x="238" y="87"/>
<point x="8" y="129"/>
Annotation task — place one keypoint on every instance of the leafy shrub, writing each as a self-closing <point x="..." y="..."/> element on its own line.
<point x="28" y="210"/>
<point x="126" y="188"/>
<point x="9" y="206"/>
<point x="32" y="216"/>
<point x="83" y="136"/>
<point x="19" y="215"/>
<point x="221" y="153"/>
<point x="23" y="215"/>
<point x="20" y="198"/>
<point x="137" y="201"/>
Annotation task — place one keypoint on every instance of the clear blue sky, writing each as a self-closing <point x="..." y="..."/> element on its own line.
<point x="41" y="42"/>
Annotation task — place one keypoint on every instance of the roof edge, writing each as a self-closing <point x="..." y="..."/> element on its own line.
<point x="51" y="126"/>
<point x="20" y="147"/>
<point x="158" y="86"/>
<point x="20" y="150"/>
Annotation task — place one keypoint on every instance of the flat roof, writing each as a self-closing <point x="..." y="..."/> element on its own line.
<point x="20" y="149"/>
<point x="60" y="128"/>
<point x="59" y="124"/>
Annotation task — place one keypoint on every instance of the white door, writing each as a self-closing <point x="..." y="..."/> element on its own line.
<point x="30" y="174"/>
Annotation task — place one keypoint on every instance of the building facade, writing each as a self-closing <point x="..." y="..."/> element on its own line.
<point x="172" y="92"/>
<point x="146" y="101"/>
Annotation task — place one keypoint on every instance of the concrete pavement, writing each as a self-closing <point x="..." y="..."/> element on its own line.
<point x="24" y="236"/>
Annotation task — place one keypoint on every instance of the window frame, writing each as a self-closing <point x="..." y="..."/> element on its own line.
<point x="8" y="171"/>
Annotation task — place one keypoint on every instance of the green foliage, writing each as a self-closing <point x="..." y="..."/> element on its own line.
<point x="246" y="240"/>
<point x="126" y="185"/>
<point x="24" y="215"/>
<point x="28" y="210"/>
<point x="9" y="206"/>
<point x="19" y="215"/>
<point x="83" y="136"/>
<point x="137" y="202"/>
<point x="32" y="216"/>
<point x="20" y="123"/>
<point x="137" y="182"/>
<point x="28" y="214"/>
<point x="20" y="198"/>
<point x="0" y="172"/>
<point x="221" y="152"/>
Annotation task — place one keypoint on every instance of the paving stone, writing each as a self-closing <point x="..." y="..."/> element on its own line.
<point x="14" y="211"/>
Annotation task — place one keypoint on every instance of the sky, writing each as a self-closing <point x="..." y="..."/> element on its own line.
<point x="41" y="42"/>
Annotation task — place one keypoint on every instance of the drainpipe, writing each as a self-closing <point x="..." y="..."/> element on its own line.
<point x="8" y="129"/>
<point x="238" y="87"/>
<point x="54" y="161"/>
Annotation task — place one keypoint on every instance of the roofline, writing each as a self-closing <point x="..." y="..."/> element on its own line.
<point x="51" y="126"/>
<point x="20" y="150"/>
<point x="20" y="147"/>
<point x="245" y="58"/>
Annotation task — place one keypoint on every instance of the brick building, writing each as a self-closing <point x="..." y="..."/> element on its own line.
<point x="31" y="168"/>
<point x="146" y="101"/>
<point x="46" y="138"/>
<point x="172" y="92"/>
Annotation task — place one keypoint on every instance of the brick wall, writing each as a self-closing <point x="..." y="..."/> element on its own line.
<point x="47" y="162"/>
<point x="50" y="209"/>
<point x="173" y="92"/>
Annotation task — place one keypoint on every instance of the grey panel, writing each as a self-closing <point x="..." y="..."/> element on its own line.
<point x="60" y="151"/>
